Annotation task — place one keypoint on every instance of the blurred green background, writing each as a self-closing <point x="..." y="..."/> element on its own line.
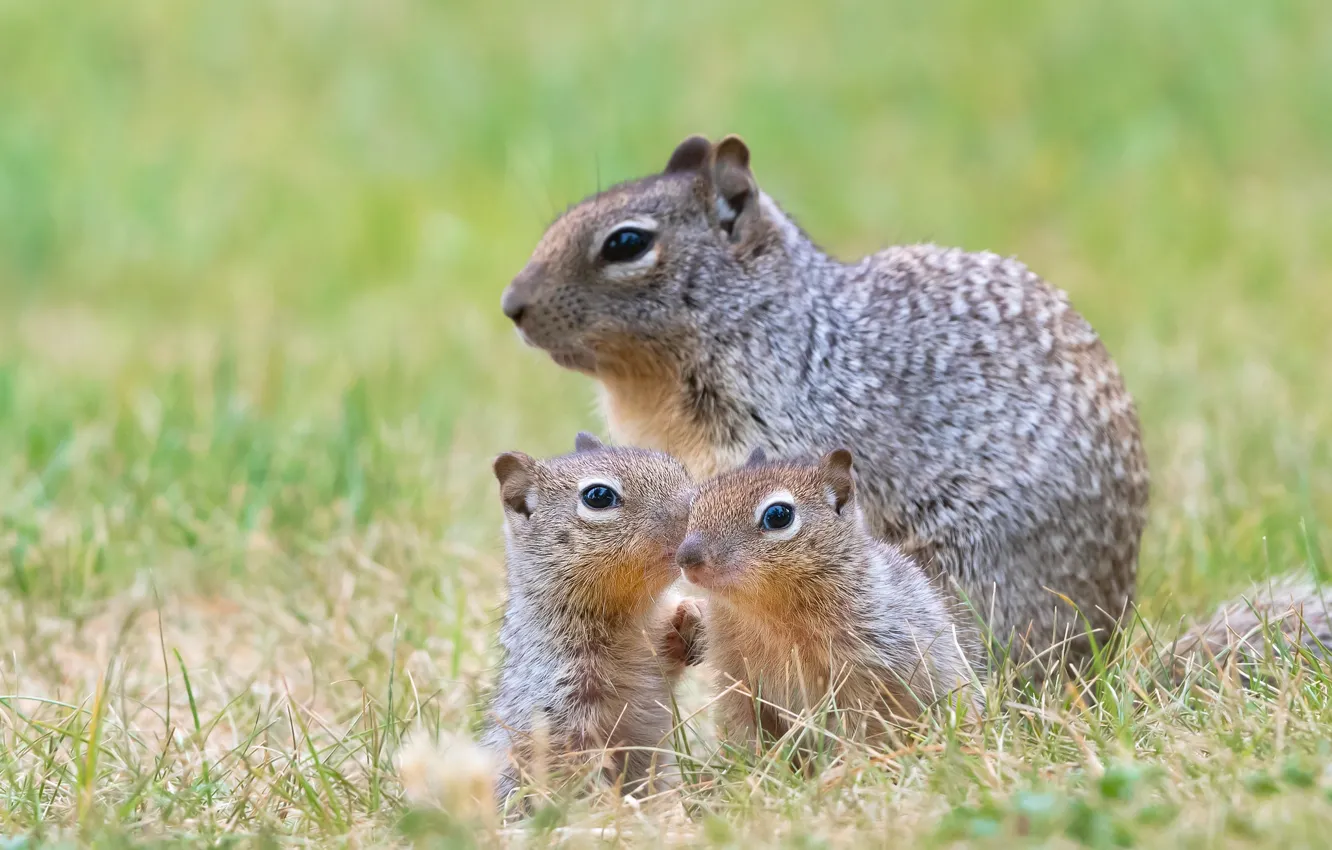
<point x="251" y="253"/>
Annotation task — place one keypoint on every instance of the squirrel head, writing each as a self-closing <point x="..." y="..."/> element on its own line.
<point x="621" y="271"/>
<point x="771" y="534"/>
<point x="597" y="528"/>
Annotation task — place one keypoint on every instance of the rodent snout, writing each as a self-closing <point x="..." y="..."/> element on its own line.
<point x="516" y="296"/>
<point x="513" y="305"/>
<point x="692" y="556"/>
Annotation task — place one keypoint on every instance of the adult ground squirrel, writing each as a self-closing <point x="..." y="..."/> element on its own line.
<point x="803" y="603"/>
<point x="590" y="637"/>
<point x="995" y="439"/>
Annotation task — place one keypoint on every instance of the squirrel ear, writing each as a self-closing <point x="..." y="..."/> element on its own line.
<point x="757" y="457"/>
<point x="737" y="193"/>
<point x="513" y="470"/>
<point x="836" y="469"/>
<point x="690" y="155"/>
<point x="586" y="442"/>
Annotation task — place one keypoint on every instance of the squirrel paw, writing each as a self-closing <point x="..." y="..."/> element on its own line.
<point x="684" y="633"/>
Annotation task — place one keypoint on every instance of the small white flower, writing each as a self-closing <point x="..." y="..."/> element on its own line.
<point x="450" y="772"/>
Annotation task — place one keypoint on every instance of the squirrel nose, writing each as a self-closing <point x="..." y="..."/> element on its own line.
<point x="514" y="301"/>
<point x="513" y="305"/>
<point x="692" y="552"/>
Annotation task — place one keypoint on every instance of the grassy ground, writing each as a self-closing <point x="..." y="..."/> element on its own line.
<point x="252" y="371"/>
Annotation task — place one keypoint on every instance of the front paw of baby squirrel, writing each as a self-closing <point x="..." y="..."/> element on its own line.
<point x="682" y="642"/>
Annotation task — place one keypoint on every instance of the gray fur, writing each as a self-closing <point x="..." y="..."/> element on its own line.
<point x="995" y="439"/>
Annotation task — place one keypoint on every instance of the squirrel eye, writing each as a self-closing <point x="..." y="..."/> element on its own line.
<point x="599" y="497"/>
<point x="778" y="516"/>
<point x="626" y="245"/>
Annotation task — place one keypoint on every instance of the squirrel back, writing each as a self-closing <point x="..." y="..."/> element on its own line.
<point x="804" y="605"/>
<point x="587" y="635"/>
<point x="995" y="439"/>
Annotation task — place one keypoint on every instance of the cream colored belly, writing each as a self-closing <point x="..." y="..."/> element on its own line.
<point x="652" y="417"/>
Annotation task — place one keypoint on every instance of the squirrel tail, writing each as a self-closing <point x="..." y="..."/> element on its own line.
<point x="1283" y="618"/>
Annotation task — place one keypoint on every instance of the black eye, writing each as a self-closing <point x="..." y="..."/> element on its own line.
<point x="599" y="497"/>
<point x="778" y="516"/>
<point x="626" y="244"/>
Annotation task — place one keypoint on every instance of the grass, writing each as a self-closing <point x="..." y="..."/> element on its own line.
<point x="252" y="371"/>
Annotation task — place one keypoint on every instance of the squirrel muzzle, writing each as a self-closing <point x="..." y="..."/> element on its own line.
<point x="697" y="564"/>
<point x="518" y="293"/>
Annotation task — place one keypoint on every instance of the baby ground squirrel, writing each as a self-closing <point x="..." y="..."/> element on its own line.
<point x="802" y="602"/>
<point x="592" y="643"/>
<point x="995" y="439"/>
